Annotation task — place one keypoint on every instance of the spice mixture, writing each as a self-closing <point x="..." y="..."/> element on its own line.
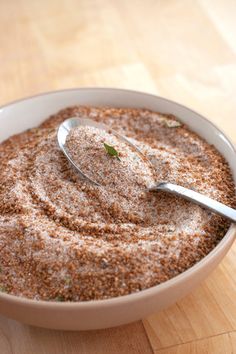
<point x="63" y="238"/>
<point x="108" y="160"/>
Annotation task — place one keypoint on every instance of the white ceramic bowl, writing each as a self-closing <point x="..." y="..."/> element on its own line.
<point x="21" y="115"/>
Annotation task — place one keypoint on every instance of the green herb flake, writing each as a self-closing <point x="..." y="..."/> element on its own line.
<point x="67" y="280"/>
<point x="60" y="298"/>
<point x="172" y="123"/>
<point x="3" y="289"/>
<point x="111" y="151"/>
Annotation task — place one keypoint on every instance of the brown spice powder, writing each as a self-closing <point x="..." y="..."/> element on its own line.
<point x="62" y="238"/>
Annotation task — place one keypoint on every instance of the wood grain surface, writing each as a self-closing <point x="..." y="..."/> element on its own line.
<point x="184" y="50"/>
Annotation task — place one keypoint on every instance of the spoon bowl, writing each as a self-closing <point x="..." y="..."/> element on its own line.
<point x="71" y="123"/>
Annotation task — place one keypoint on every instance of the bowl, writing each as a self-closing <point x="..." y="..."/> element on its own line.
<point x="27" y="113"/>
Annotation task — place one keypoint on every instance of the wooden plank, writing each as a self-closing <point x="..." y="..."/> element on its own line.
<point x="222" y="344"/>
<point x="181" y="49"/>
<point x="21" y="339"/>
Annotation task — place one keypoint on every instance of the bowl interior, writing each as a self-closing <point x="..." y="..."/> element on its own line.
<point x="30" y="112"/>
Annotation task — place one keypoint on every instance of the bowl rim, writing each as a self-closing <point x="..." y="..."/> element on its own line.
<point x="228" y="237"/>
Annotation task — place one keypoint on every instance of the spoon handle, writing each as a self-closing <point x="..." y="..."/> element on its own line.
<point x="197" y="198"/>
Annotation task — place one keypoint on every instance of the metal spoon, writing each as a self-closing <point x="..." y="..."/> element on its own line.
<point x="183" y="192"/>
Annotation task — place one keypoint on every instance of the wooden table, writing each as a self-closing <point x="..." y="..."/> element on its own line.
<point x="181" y="49"/>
